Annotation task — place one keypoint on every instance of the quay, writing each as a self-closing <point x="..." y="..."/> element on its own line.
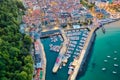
<point x="82" y="57"/>
<point x="43" y="58"/>
<point x="61" y="53"/>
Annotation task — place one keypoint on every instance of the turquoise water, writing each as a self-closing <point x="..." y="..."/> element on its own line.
<point x="105" y="45"/>
<point x="51" y="58"/>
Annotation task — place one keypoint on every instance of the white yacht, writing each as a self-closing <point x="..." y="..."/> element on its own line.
<point x="116" y="65"/>
<point x="115" y="58"/>
<point x="103" y="69"/>
<point x="108" y="56"/>
<point x="114" y="72"/>
<point x="105" y="60"/>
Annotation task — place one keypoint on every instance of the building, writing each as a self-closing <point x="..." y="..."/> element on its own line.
<point x="105" y="13"/>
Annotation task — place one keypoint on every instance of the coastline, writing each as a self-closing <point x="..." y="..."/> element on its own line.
<point x="111" y="25"/>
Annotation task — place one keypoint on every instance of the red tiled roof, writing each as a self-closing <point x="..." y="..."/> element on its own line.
<point x="33" y="18"/>
<point x="70" y="10"/>
<point x="36" y="12"/>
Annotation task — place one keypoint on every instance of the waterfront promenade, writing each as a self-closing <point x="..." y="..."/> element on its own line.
<point x="82" y="55"/>
<point x="43" y="58"/>
<point x="61" y="53"/>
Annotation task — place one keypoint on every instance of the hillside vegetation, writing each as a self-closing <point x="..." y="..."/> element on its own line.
<point x="15" y="59"/>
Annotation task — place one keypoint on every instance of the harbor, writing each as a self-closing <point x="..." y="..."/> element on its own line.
<point x="75" y="53"/>
<point x="72" y="51"/>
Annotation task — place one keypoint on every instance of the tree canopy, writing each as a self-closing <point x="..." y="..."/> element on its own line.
<point x="87" y="4"/>
<point x="15" y="60"/>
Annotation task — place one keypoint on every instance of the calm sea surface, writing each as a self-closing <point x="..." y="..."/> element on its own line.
<point x="107" y="44"/>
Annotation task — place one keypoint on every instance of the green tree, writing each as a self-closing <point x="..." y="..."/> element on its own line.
<point x="15" y="59"/>
<point x="22" y="76"/>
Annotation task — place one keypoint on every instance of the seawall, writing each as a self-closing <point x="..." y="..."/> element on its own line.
<point x="84" y="53"/>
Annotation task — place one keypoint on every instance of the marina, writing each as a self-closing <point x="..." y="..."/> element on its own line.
<point x="66" y="57"/>
<point x="72" y="49"/>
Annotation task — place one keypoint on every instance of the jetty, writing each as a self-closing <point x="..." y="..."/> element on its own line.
<point x="61" y="53"/>
<point x="83" y="55"/>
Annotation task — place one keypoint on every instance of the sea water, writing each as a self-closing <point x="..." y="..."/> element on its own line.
<point x="105" y="45"/>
